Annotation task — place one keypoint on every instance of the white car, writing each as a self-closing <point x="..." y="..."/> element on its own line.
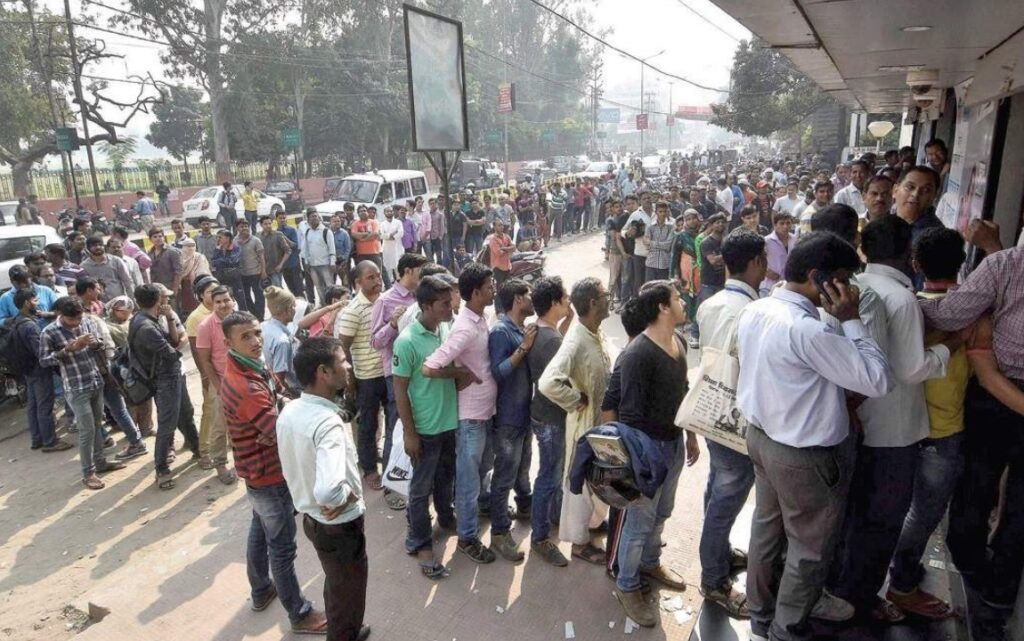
<point x="7" y="209"/>
<point x="598" y="169"/>
<point x="656" y="165"/>
<point x="204" y="203"/>
<point x="18" y="242"/>
<point x="384" y="188"/>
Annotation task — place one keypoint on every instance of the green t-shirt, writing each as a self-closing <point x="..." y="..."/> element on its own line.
<point x="434" y="400"/>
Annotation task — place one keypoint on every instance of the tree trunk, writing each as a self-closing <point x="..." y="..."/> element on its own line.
<point x="20" y="178"/>
<point x="214" y="11"/>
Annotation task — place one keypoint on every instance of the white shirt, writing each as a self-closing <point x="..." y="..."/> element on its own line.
<point x="318" y="458"/>
<point x="900" y="418"/>
<point x="640" y="249"/>
<point x="724" y="199"/>
<point x="716" y="317"/>
<point x="389" y="227"/>
<point x="317" y="248"/>
<point x="786" y="204"/>
<point x="850" y="195"/>
<point x="794" y="370"/>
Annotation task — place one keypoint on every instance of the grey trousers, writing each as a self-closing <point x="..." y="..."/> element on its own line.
<point x="800" y="501"/>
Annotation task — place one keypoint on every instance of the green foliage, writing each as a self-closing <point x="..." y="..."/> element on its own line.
<point x="178" y="127"/>
<point x="119" y="153"/>
<point x="768" y="94"/>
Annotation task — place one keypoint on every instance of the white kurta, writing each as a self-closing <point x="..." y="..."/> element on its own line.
<point x="391" y="232"/>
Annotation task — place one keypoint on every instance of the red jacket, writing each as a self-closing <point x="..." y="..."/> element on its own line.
<point x="250" y="413"/>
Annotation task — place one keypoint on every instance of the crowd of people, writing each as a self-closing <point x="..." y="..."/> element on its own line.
<point x="877" y="392"/>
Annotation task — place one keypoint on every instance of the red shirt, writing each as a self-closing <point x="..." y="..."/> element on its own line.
<point x="582" y="194"/>
<point x="250" y="413"/>
<point x="499" y="259"/>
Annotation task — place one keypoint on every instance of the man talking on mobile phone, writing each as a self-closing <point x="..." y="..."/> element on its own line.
<point x="794" y="373"/>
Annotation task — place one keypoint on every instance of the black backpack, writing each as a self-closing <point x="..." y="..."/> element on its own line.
<point x="15" y="356"/>
<point x="136" y="385"/>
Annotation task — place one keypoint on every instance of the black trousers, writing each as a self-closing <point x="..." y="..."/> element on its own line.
<point x="342" y="552"/>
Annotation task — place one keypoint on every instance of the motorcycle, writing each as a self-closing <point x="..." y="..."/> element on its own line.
<point x="126" y="218"/>
<point x="528" y="266"/>
<point x="100" y="225"/>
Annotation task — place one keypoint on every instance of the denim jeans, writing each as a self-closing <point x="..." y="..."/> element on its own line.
<point x="729" y="481"/>
<point x="371" y="395"/>
<point x="508" y="453"/>
<point x="640" y="540"/>
<point x="940" y="462"/>
<point x="88" y="408"/>
<point x="230" y="217"/>
<point x="252" y="291"/>
<point x="173" y="411"/>
<point x="433" y="474"/>
<point x="551" y="447"/>
<point x="469" y="452"/>
<point x="39" y="404"/>
<point x="390" y="415"/>
<point x="271" y="549"/>
<point x="252" y="217"/>
<point x="277" y="279"/>
<point x="115" y="403"/>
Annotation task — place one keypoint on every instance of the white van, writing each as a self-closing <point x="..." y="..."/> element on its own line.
<point x="18" y="242"/>
<point x="384" y="188"/>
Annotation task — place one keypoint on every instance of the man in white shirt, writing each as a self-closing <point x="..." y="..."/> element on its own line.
<point x="316" y="248"/>
<point x="893" y="424"/>
<point x="851" y="194"/>
<point x="637" y="223"/>
<point x="391" y="233"/>
<point x="724" y="197"/>
<point x="794" y="373"/>
<point x="732" y="473"/>
<point x="318" y="458"/>
<point x="791" y="200"/>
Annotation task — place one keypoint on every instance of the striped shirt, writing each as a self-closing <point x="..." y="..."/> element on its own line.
<point x="659" y="251"/>
<point x="354" y="322"/>
<point x="250" y="414"/>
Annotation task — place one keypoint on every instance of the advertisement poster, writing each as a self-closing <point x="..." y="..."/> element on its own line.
<point x="437" y="84"/>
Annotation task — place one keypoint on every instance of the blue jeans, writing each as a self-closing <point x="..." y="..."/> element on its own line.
<point x="508" y="454"/>
<point x="939" y="466"/>
<point x="88" y="408"/>
<point x="729" y="482"/>
<point x="469" y="453"/>
<point x="551" y="446"/>
<point x="251" y="217"/>
<point x="39" y="401"/>
<point x="432" y="475"/>
<point x="115" y="403"/>
<point x="371" y="395"/>
<point x="271" y="549"/>
<point x="640" y="540"/>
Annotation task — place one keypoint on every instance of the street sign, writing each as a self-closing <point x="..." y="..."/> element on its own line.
<point x="610" y="115"/>
<point x="602" y="134"/>
<point x="506" y="97"/>
<point x="670" y="120"/>
<point x="548" y="135"/>
<point x="291" y="137"/>
<point x="641" y="121"/>
<point x="67" y="139"/>
<point x="493" y="137"/>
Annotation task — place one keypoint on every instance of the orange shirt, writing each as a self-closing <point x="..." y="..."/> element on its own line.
<point x="365" y="247"/>
<point x="499" y="259"/>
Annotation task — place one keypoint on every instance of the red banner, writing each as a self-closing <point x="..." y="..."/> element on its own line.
<point x="506" y="98"/>
<point x="641" y="121"/>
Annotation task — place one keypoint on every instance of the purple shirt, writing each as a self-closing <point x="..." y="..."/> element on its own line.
<point x="382" y="334"/>
<point x="995" y="285"/>
<point x="437" y="225"/>
<point x="409" y="235"/>
<point x="777" y="253"/>
<point x="467" y="344"/>
<point x="131" y="250"/>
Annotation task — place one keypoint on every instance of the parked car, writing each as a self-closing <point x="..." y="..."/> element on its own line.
<point x="204" y="203"/>
<point x="495" y="174"/>
<point x="289" y="192"/>
<point x="530" y="168"/>
<point x="579" y="163"/>
<point x="561" y="164"/>
<point x="330" y="185"/>
<point x="18" y="242"/>
<point x="600" y="170"/>
<point x="655" y="165"/>
<point x="384" y="188"/>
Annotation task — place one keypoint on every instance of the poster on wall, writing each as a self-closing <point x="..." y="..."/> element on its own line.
<point x="437" y="81"/>
<point x="964" y="198"/>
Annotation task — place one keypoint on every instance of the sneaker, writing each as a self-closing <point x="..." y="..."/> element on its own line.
<point x="477" y="551"/>
<point x="637" y="608"/>
<point x="132" y="451"/>
<point x="831" y="608"/>
<point x="506" y="546"/>
<point x="58" y="446"/>
<point x="548" y="551"/>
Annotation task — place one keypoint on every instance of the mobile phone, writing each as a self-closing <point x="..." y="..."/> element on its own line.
<point x="820" y="278"/>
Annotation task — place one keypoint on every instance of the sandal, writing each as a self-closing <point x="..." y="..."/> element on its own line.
<point x="374" y="481"/>
<point x="887" y="612"/>
<point x="433" y="570"/>
<point x="921" y="603"/>
<point x="591" y="554"/>
<point x="165" y="482"/>
<point x="206" y="463"/>
<point x="733" y="602"/>
<point x="93" y="482"/>
<point x="394" y="501"/>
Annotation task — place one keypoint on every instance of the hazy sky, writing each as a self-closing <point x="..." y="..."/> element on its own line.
<point x="694" y="49"/>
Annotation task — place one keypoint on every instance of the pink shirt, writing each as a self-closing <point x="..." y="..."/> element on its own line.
<point x="210" y="336"/>
<point x="131" y="250"/>
<point x="467" y="344"/>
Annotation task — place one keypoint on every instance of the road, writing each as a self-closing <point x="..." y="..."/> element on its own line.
<point x="171" y="565"/>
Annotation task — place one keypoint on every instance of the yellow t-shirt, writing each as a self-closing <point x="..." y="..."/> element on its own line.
<point x="198" y="315"/>
<point x="250" y="200"/>
<point x="945" y="396"/>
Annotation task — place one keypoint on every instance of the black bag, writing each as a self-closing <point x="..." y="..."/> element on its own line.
<point x="15" y="356"/>
<point x="136" y="386"/>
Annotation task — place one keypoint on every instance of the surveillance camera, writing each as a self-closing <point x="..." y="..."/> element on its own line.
<point x="921" y="82"/>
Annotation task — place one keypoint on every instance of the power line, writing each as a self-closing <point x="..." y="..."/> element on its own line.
<point x="262" y="93"/>
<point x="699" y="15"/>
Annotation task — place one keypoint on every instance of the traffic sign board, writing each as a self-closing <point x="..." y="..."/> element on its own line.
<point x="67" y="139"/>
<point x="291" y="137"/>
<point x="602" y="134"/>
<point x="506" y="97"/>
<point x="641" y="121"/>
<point x="548" y="135"/>
<point x="493" y="137"/>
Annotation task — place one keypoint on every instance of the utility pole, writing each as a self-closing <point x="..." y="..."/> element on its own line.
<point x="671" y="115"/>
<point x="504" y="77"/>
<point x="64" y="160"/>
<point x="80" y="98"/>
<point x="642" y="111"/>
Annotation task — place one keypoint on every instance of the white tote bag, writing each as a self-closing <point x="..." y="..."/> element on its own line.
<point x="398" y="472"/>
<point x="709" y="408"/>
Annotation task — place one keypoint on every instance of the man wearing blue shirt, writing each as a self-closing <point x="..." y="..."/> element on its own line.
<point x="508" y="344"/>
<point x="22" y="279"/>
<point x="342" y="248"/>
<point x="292" y="271"/>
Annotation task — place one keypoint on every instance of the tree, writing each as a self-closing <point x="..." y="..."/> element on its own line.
<point x="767" y="93"/>
<point x="117" y="154"/>
<point x="178" y="127"/>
